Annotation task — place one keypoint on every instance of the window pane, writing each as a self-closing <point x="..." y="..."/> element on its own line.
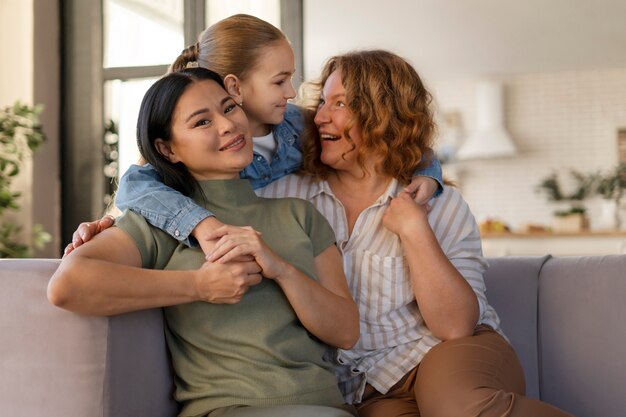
<point x="142" y="32"/>
<point x="122" y="101"/>
<point x="268" y="10"/>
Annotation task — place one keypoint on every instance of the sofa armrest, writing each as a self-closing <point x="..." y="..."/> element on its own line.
<point x="57" y="363"/>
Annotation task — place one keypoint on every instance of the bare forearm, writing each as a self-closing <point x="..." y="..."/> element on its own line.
<point x="110" y="288"/>
<point x="446" y="300"/>
<point x="330" y="317"/>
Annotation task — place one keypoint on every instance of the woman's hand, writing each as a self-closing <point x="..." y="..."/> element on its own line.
<point x="237" y="242"/>
<point x="404" y="214"/>
<point x="220" y="283"/>
<point x="317" y="304"/>
<point x="88" y="230"/>
<point x="423" y="188"/>
<point x="447" y="302"/>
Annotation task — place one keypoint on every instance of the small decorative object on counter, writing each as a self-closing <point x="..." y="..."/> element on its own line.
<point x="574" y="219"/>
<point x="492" y="225"/>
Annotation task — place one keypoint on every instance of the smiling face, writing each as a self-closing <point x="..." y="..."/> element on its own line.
<point x="209" y="133"/>
<point x="266" y="89"/>
<point x="331" y="119"/>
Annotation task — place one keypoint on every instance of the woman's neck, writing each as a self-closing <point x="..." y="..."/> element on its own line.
<point x="215" y="176"/>
<point x="356" y="192"/>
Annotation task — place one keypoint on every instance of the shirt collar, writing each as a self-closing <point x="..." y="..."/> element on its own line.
<point x="393" y="189"/>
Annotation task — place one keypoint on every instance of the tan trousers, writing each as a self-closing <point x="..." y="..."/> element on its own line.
<point x="479" y="375"/>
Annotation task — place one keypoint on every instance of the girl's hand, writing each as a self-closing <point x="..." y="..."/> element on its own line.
<point x="423" y="188"/>
<point x="237" y="242"/>
<point x="88" y="230"/>
<point x="204" y="229"/>
<point x="405" y="215"/>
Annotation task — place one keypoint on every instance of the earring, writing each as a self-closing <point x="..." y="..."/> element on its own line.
<point x="240" y="104"/>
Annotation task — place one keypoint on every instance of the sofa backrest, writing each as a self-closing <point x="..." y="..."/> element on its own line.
<point x="564" y="317"/>
<point x="582" y="334"/>
<point x="56" y="363"/>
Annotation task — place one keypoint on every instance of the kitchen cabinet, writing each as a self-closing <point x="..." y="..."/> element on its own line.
<point x="557" y="244"/>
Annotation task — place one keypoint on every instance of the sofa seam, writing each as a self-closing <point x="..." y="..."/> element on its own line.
<point x="106" y="392"/>
<point x="546" y="258"/>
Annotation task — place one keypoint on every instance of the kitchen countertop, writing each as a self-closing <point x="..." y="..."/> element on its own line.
<point x="583" y="243"/>
<point x="547" y="233"/>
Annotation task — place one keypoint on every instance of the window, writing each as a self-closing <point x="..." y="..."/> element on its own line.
<point x="113" y="51"/>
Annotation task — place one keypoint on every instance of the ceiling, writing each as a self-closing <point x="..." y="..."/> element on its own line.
<point x="471" y="38"/>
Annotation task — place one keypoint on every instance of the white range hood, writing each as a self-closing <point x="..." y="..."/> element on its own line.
<point x="490" y="139"/>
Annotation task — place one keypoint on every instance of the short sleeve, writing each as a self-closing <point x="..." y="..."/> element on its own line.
<point x="154" y="245"/>
<point x="319" y="230"/>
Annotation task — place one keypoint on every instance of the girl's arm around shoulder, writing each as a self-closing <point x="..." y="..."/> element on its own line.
<point x="142" y="190"/>
<point x="296" y="117"/>
<point x="427" y="182"/>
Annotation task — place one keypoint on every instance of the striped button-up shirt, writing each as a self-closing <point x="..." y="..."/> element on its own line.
<point x="394" y="337"/>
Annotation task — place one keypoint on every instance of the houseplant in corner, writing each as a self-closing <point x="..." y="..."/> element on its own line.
<point x="20" y="134"/>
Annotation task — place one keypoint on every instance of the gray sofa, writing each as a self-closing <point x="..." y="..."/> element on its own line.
<point x="566" y="317"/>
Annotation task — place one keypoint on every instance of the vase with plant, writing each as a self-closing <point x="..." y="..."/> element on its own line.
<point x="20" y="134"/>
<point x="611" y="186"/>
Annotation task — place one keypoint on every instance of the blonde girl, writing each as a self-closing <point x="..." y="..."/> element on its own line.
<point x="256" y="62"/>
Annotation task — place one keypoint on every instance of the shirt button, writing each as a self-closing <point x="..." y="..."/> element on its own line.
<point x="177" y="233"/>
<point x="266" y="178"/>
<point x="259" y="158"/>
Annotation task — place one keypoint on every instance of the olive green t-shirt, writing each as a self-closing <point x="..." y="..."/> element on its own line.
<point x="255" y="352"/>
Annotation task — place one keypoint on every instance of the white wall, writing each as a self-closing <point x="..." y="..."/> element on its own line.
<point x="29" y="72"/>
<point x="16" y="39"/>
<point x="559" y="121"/>
<point x="563" y="69"/>
<point x="16" y="83"/>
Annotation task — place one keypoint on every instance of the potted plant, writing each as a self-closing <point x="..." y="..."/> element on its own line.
<point x="573" y="218"/>
<point x="611" y="186"/>
<point x="20" y="134"/>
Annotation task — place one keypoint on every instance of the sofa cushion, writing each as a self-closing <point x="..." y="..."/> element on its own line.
<point x="582" y="334"/>
<point x="512" y="284"/>
<point x="51" y="359"/>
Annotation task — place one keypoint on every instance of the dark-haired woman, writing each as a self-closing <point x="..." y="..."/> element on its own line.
<point x="247" y="337"/>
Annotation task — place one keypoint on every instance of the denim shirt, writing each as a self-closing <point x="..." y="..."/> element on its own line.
<point x="142" y="190"/>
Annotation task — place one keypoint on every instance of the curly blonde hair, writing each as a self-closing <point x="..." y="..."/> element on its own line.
<point x="389" y="102"/>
